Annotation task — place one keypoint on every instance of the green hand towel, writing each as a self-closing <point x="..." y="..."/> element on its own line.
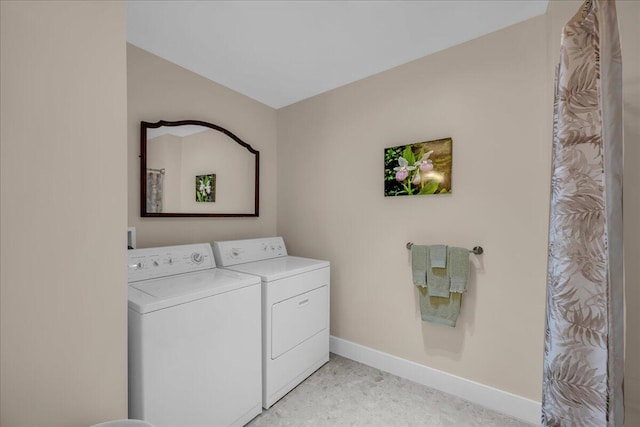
<point x="437" y="278"/>
<point x="438" y="256"/>
<point x="458" y="269"/>
<point x="419" y="256"/>
<point x="439" y="310"/>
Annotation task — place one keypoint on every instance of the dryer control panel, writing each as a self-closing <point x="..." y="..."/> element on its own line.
<point x="232" y="252"/>
<point x="152" y="263"/>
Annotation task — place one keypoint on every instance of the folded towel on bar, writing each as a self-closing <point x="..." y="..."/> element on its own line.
<point x="441" y="301"/>
<point x="458" y="268"/>
<point x="419" y="265"/>
<point x="437" y="278"/>
<point x="438" y="256"/>
<point x="443" y="311"/>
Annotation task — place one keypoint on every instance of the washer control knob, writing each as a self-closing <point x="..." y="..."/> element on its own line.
<point x="155" y="263"/>
<point x="196" y="257"/>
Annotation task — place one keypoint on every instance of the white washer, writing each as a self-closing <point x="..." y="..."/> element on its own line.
<point x="194" y="339"/>
<point x="295" y="310"/>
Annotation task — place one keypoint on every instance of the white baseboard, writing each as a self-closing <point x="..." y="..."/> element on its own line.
<point x="498" y="400"/>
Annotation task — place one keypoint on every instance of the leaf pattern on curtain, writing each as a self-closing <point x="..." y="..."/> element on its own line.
<point x="577" y="337"/>
<point x="155" y="180"/>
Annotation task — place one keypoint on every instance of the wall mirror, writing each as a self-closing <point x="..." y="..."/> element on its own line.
<point x="191" y="168"/>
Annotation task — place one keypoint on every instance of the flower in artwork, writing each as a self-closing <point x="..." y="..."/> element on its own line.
<point x="402" y="171"/>
<point x="205" y="188"/>
<point x="418" y="169"/>
<point x="425" y="164"/>
<point x="417" y="179"/>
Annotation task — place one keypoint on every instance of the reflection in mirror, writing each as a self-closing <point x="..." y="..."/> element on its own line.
<point x="194" y="168"/>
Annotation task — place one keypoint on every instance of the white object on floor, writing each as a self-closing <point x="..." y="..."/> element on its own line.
<point x="295" y="310"/>
<point x="124" y="423"/>
<point x="194" y="339"/>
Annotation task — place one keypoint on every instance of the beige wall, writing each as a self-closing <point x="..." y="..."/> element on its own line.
<point x="629" y="17"/>
<point x="160" y="90"/>
<point x="63" y="213"/>
<point x="493" y="95"/>
<point x="490" y="96"/>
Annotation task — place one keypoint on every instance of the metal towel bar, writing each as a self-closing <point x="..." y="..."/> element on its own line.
<point x="476" y="249"/>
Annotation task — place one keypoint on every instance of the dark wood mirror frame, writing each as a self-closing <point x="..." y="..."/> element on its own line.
<point x="143" y="171"/>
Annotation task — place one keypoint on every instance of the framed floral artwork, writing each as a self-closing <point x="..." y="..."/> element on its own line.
<point x="418" y="169"/>
<point x="206" y="188"/>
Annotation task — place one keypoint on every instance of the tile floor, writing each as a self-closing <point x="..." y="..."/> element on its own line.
<point x="348" y="393"/>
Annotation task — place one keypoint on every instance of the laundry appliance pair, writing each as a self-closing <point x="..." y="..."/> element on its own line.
<point x="215" y="334"/>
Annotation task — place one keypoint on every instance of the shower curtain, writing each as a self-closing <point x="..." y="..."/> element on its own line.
<point x="155" y="180"/>
<point x="583" y="358"/>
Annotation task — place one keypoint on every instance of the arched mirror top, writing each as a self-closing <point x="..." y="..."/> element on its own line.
<point x="191" y="168"/>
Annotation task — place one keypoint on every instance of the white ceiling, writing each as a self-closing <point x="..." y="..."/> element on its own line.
<point x="280" y="52"/>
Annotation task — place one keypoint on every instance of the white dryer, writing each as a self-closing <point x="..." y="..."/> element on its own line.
<point x="295" y="310"/>
<point x="194" y="339"/>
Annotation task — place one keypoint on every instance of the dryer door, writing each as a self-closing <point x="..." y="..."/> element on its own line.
<point x="297" y="319"/>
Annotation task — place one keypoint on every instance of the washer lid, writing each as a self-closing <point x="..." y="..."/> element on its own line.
<point x="155" y="294"/>
<point x="278" y="268"/>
